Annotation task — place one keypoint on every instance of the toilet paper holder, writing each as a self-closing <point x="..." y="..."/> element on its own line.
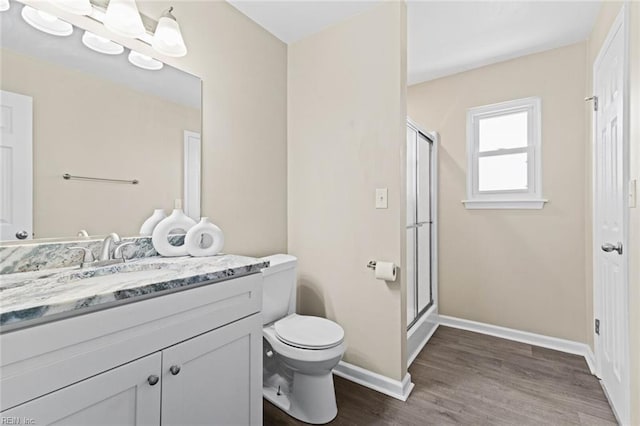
<point x="371" y="264"/>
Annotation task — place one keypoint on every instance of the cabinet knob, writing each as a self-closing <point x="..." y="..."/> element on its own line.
<point x="174" y="369"/>
<point x="153" y="379"/>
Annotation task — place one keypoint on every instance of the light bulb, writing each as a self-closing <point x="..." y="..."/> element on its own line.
<point x="101" y="44"/>
<point x="46" y="22"/>
<point x="46" y="16"/>
<point x="123" y="18"/>
<point x="144" y="61"/>
<point x="168" y="38"/>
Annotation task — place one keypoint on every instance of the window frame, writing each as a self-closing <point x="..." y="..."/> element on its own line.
<point x="531" y="198"/>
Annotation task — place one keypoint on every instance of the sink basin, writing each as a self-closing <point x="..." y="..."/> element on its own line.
<point x="108" y="281"/>
<point x="119" y="269"/>
<point x="121" y="276"/>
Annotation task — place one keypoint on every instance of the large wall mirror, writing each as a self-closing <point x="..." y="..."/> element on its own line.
<point x="67" y="109"/>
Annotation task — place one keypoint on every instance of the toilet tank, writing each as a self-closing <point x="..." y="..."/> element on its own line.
<point x="278" y="287"/>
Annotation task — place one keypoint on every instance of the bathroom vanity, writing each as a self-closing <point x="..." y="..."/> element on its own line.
<point x="153" y="341"/>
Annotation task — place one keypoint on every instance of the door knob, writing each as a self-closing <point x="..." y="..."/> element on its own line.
<point x="153" y="379"/>
<point x="174" y="369"/>
<point x="608" y="247"/>
<point x="21" y="235"/>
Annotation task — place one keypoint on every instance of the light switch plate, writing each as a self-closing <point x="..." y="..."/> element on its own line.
<point x="381" y="198"/>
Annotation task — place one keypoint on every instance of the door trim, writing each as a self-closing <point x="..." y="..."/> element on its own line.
<point x="192" y="174"/>
<point x="621" y="23"/>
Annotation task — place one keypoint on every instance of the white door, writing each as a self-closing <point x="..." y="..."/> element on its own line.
<point x="192" y="164"/>
<point x="124" y="396"/>
<point x="16" y="169"/>
<point x="610" y="258"/>
<point x="215" y="378"/>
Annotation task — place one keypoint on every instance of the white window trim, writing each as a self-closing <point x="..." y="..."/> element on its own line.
<point x="530" y="199"/>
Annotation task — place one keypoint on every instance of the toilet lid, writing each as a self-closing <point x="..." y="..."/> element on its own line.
<point x="309" y="332"/>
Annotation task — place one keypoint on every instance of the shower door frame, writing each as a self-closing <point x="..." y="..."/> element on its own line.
<point x="432" y="307"/>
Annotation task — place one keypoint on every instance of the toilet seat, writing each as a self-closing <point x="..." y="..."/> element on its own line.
<point x="308" y="332"/>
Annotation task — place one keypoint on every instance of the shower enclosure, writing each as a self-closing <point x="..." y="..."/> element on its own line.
<point x="421" y="232"/>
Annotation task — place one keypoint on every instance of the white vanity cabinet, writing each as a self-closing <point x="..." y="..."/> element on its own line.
<point x="211" y="379"/>
<point x="203" y="345"/>
<point x="121" y="396"/>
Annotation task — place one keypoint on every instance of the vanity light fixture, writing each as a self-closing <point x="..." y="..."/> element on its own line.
<point x="4" y="5"/>
<point x="77" y="7"/>
<point x="123" y="18"/>
<point x="101" y="44"/>
<point x="46" y="22"/>
<point x="167" y="38"/>
<point x="144" y="61"/>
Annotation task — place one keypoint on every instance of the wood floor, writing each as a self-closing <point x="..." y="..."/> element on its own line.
<point x="471" y="379"/>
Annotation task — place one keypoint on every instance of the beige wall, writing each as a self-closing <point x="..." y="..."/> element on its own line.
<point x="346" y="138"/>
<point x="244" y="123"/>
<point x="514" y="268"/>
<point x="603" y="24"/>
<point x="73" y="132"/>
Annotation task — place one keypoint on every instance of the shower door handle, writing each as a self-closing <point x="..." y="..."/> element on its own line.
<point x="414" y="226"/>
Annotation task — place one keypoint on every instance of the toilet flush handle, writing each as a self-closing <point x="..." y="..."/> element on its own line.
<point x="269" y="353"/>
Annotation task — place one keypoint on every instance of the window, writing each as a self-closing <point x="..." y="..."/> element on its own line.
<point x="503" y="151"/>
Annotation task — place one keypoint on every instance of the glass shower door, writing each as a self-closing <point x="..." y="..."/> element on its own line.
<point x="419" y="224"/>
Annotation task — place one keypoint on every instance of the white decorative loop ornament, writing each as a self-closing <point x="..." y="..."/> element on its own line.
<point x="149" y="225"/>
<point x="177" y="222"/>
<point x="204" y="239"/>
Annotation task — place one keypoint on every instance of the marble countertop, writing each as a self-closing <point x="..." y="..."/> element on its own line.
<point x="62" y="292"/>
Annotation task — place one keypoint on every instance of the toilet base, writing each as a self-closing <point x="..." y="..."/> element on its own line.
<point x="312" y="398"/>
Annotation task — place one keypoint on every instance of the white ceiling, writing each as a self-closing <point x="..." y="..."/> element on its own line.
<point x="444" y="37"/>
<point x="293" y="20"/>
<point x="449" y="37"/>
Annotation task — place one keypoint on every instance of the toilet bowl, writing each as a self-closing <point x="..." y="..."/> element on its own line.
<point x="300" y="351"/>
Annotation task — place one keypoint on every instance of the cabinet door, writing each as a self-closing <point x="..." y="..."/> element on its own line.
<point x="219" y="381"/>
<point x="122" y="396"/>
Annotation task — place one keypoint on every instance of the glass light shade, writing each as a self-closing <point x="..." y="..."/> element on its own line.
<point x="123" y="18"/>
<point x="101" y="44"/>
<point x="4" y="5"/>
<point x="168" y="38"/>
<point x="78" y="7"/>
<point x="46" y="22"/>
<point x="144" y="61"/>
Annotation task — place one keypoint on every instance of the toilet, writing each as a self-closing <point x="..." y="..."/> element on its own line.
<point x="299" y="351"/>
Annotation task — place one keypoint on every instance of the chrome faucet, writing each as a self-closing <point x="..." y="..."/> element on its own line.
<point x="105" y="251"/>
<point x="107" y="255"/>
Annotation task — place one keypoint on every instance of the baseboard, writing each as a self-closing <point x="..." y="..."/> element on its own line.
<point x="422" y="332"/>
<point x="383" y="384"/>
<point x="548" y="342"/>
<point x="590" y="357"/>
<point x="421" y="345"/>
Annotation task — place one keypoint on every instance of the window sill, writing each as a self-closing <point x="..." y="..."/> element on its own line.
<point x="533" y="204"/>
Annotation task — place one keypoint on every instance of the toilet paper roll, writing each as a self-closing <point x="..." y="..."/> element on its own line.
<point x="385" y="271"/>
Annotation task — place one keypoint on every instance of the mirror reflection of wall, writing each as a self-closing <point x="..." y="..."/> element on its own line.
<point x="95" y="115"/>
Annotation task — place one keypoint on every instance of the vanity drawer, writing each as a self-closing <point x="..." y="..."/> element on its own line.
<point x="43" y="358"/>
